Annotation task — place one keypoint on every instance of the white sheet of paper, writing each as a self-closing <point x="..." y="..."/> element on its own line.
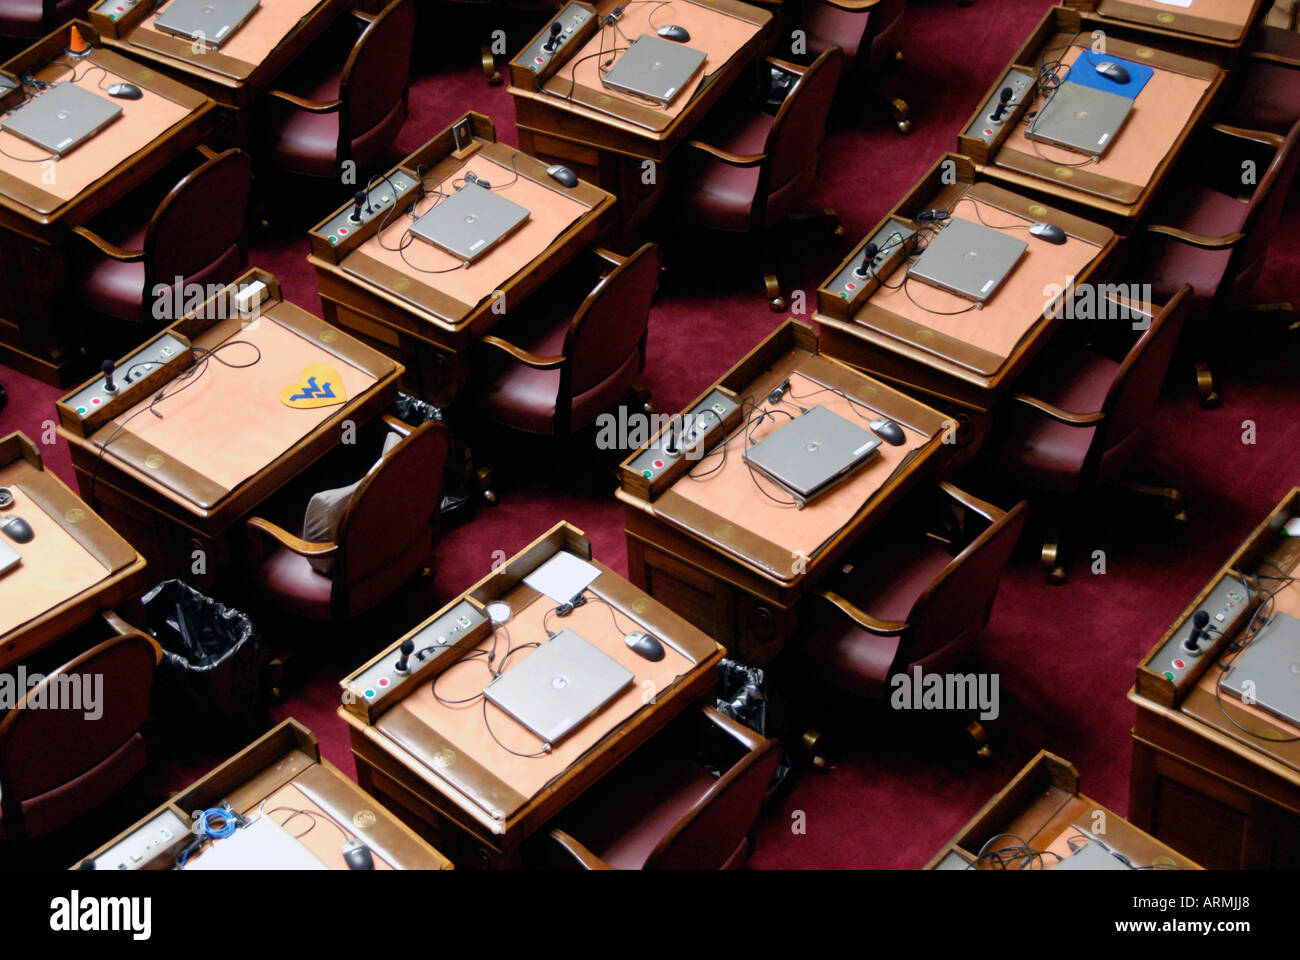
<point x="562" y="577"/>
<point x="1176" y="3"/>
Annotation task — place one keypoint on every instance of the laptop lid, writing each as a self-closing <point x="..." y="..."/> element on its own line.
<point x="62" y="118"/>
<point x="811" y="453"/>
<point x="9" y="558"/>
<point x="654" y="68"/>
<point x="470" y="222"/>
<point x="209" y="21"/>
<point x="1267" y="671"/>
<point x="1092" y="856"/>
<point x="1080" y="118"/>
<point x="558" y="686"/>
<point x="968" y="259"/>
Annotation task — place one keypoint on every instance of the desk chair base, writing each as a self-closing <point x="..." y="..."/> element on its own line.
<point x="1206" y="390"/>
<point x="1052" y="557"/>
<point x="771" y="283"/>
<point x="489" y="62"/>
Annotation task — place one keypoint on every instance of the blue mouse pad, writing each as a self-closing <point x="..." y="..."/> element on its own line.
<point x="1084" y="72"/>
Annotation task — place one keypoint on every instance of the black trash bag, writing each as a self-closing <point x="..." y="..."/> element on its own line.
<point x="459" y="494"/>
<point x="743" y="697"/>
<point x="212" y="682"/>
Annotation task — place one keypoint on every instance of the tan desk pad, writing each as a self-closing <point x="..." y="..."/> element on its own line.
<point x="247" y="47"/>
<point x="730" y="496"/>
<point x="455" y="744"/>
<point x="718" y="34"/>
<point x="140" y="123"/>
<point x="55" y="568"/>
<point x="1215" y="19"/>
<point x="551" y="213"/>
<point x="980" y="339"/>
<point x="230" y="423"/>
<point x="1160" y="114"/>
<point x="316" y="832"/>
<point x="1077" y="824"/>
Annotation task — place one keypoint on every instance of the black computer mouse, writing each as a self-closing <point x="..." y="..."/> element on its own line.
<point x="670" y="31"/>
<point x="562" y="175"/>
<point x="124" y="91"/>
<point x="357" y="855"/>
<point x="644" y="645"/>
<point x="888" y="431"/>
<point x="1112" y="71"/>
<point x="1047" y="231"/>
<point x="17" y="529"/>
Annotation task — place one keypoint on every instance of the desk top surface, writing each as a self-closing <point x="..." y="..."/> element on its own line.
<point x="73" y="557"/>
<point x="1224" y="20"/>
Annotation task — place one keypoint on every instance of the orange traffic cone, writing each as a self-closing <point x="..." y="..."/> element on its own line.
<point x="77" y="45"/>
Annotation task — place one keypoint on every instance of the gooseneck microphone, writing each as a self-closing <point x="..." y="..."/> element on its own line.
<point x="358" y="200"/>
<point x="1200" y="629"/>
<point x="107" y="368"/>
<point x="1004" y="101"/>
<point x="407" y="648"/>
<point x="868" y="255"/>
<point x="554" y="39"/>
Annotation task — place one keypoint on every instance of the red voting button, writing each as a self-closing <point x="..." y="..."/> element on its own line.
<point x="95" y="401"/>
<point x="1179" y="664"/>
<point x="850" y="286"/>
<point x="383" y="681"/>
<point x="343" y="231"/>
<point x="658" y="464"/>
<point x="988" y="131"/>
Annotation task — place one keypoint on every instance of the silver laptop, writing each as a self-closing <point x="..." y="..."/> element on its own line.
<point x="559" y="686"/>
<point x="968" y="259"/>
<point x="209" y="21"/>
<point x="813" y="453"/>
<point x="654" y="68"/>
<point x="62" y="118"/>
<point x="1092" y="856"/>
<point x="262" y="845"/>
<point x="9" y="558"/>
<point x="470" y="222"/>
<point x="1267" y="671"/>
<point x="1082" y="119"/>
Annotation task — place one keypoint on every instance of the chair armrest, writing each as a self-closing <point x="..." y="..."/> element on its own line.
<point x="1067" y="417"/>
<point x="988" y="511"/>
<point x="522" y="355"/>
<point x="109" y="249"/>
<point x="302" y="103"/>
<point x="1261" y="56"/>
<point x="400" y="427"/>
<point x="1264" y="137"/>
<point x="1195" y="239"/>
<point x="304" y="548"/>
<point x="122" y="628"/>
<point x="609" y="256"/>
<point x="580" y="854"/>
<point x="882" y="628"/>
<point x="734" y="159"/>
<point x="208" y="152"/>
<point x="798" y="69"/>
<point x="748" y="739"/>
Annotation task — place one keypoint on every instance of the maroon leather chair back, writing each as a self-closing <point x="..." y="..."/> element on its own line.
<point x="200" y="222"/>
<point x="1133" y="393"/>
<point x="387" y="532"/>
<point x="42" y="750"/>
<point x="610" y="326"/>
<point x="951" y="611"/>
<point x="378" y="72"/>
<point x="795" y="140"/>
<point x="1265" y="210"/>
<point x="36" y="18"/>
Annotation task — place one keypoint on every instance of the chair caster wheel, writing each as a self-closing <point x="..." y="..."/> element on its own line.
<point x="1210" y="401"/>
<point x="1180" y="516"/>
<point x="978" y="739"/>
<point x="776" y="304"/>
<point x="814" y="744"/>
<point x="494" y="80"/>
<point x="490" y="497"/>
<point x="904" y="126"/>
<point x="1057" y="576"/>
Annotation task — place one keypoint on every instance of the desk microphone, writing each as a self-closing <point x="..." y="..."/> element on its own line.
<point x="407" y="648"/>
<point x="868" y="255"/>
<point x="107" y="368"/>
<point x="1200" y="629"/>
<point x="1004" y="100"/>
<point x="553" y="40"/>
<point x="358" y="200"/>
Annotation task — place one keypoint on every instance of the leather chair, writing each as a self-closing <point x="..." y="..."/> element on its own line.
<point x="32" y="19"/>
<point x="56" y="764"/>
<point x="909" y="599"/>
<point x="752" y="171"/>
<point x="1206" y="236"/>
<point x="1082" y="416"/>
<point x="346" y="107"/>
<point x="561" y="367"/>
<point x="385" y="534"/>
<point x="1266" y="81"/>
<point x="662" y="809"/>
<point x="867" y="31"/>
<point x="195" y="232"/>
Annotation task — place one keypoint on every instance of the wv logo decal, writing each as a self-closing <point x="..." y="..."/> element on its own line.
<point x="319" y="385"/>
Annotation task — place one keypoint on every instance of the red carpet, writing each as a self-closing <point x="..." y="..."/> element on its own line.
<point x="1064" y="655"/>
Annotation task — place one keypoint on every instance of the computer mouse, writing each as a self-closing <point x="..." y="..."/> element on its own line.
<point x="17" y="529"/>
<point x="357" y="855"/>
<point x="1047" y="231"/>
<point x="124" y="91"/>
<point x="888" y="431"/>
<point x="1112" y="71"/>
<point x="644" y="645"/>
<point x="670" y="31"/>
<point x="562" y="175"/>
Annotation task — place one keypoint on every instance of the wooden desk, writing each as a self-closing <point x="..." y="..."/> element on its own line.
<point x="1117" y="189"/>
<point x="963" y="362"/>
<point x="723" y="552"/>
<point x="1043" y="806"/>
<point x="565" y="115"/>
<point x="453" y="777"/>
<point x="1213" y="29"/>
<point x="430" y="321"/>
<point x="74" y="566"/>
<point x="247" y="64"/>
<point x="41" y="202"/>
<point x="226" y="439"/>
<point x="1228" y="796"/>
<point x="284" y="770"/>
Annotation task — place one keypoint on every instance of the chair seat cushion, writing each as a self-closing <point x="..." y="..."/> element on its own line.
<point x="63" y="804"/>
<point x="1040" y="451"/>
<point x="1202" y="210"/>
<point x="307" y="143"/>
<point x="718" y="195"/>
<point x="295" y="586"/>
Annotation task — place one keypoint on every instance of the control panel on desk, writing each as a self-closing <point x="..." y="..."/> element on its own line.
<point x="566" y="23"/>
<point x="377" y="202"/>
<point x="995" y="114"/>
